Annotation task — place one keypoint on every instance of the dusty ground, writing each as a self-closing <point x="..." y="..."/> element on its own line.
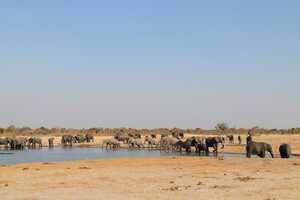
<point x="159" y="178"/>
<point x="154" y="178"/>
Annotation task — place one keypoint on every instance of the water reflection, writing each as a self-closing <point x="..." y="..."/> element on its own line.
<point x="83" y="153"/>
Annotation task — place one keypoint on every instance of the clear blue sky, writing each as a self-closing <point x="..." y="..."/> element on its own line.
<point x="150" y="63"/>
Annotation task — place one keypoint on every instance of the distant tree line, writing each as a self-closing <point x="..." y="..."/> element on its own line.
<point x="220" y="129"/>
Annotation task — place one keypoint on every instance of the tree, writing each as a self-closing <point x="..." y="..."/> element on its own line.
<point x="222" y="127"/>
<point x="11" y="129"/>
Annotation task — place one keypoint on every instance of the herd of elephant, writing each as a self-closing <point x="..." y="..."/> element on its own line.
<point x="201" y="145"/>
<point x="68" y="140"/>
<point x="20" y="143"/>
<point x="174" y="143"/>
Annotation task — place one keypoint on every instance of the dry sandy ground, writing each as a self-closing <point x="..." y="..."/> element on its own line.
<point x="173" y="178"/>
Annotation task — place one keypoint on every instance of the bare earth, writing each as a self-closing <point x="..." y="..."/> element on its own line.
<point x="154" y="178"/>
<point x="159" y="178"/>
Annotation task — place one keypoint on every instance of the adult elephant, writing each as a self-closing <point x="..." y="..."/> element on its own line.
<point x="122" y="137"/>
<point x="259" y="148"/>
<point x="17" y="143"/>
<point x="151" y="142"/>
<point x="240" y="139"/>
<point x="4" y="141"/>
<point x="135" y="135"/>
<point x="51" y="142"/>
<point x="213" y="142"/>
<point x="79" y="139"/>
<point x="200" y="145"/>
<point x="111" y="144"/>
<point x="187" y="145"/>
<point x="230" y="139"/>
<point x="285" y="150"/>
<point x="135" y="143"/>
<point x="34" y="141"/>
<point x="89" y="138"/>
<point x="38" y="142"/>
<point x="178" y="134"/>
<point x="168" y="143"/>
<point x="67" y="140"/>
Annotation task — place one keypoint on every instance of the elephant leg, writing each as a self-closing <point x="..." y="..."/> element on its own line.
<point x="215" y="146"/>
<point x="262" y="154"/>
<point x="249" y="151"/>
<point x="271" y="153"/>
<point x="197" y="149"/>
<point x="207" y="150"/>
<point x="248" y="154"/>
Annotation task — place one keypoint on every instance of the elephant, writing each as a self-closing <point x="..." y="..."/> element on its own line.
<point x="223" y="139"/>
<point x="230" y="139"/>
<point x="33" y="141"/>
<point x="89" y="138"/>
<point x="135" y="135"/>
<point x="168" y="143"/>
<point x="4" y="141"/>
<point x="122" y="137"/>
<point x="259" y="148"/>
<point x="111" y="144"/>
<point x="285" y="150"/>
<point x="51" y="142"/>
<point x="240" y="139"/>
<point x="17" y="143"/>
<point x="79" y="139"/>
<point x="151" y="142"/>
<point x="135" y="143"/>
<point x="213" y="142"/>
<point x="178" y="135"/>
<point x="38" y="141"/>
<point x="164" y="135"/>
<point x="67" y="140"/>
<point x="187" y="145"/>
<point x="201" y="145"/>
<point x="248" y="139"/>
<point x="153" y="135"/>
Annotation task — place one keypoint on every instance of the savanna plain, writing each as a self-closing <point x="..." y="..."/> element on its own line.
<point x="170" y="177"/>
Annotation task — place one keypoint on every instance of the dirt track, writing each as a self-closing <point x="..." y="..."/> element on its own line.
<point x="154" y="178"/>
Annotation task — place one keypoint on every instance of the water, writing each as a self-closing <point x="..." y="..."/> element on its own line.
<point x="83" y="153"/>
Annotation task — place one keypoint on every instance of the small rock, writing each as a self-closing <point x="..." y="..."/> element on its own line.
<point x="199" y="183"/>
<point x="47" y="163"/>
<point x="220" y="158"/>
<point x="84" y="168"/>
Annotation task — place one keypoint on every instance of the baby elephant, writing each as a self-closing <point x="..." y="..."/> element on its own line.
<point x="285" y="150"/>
